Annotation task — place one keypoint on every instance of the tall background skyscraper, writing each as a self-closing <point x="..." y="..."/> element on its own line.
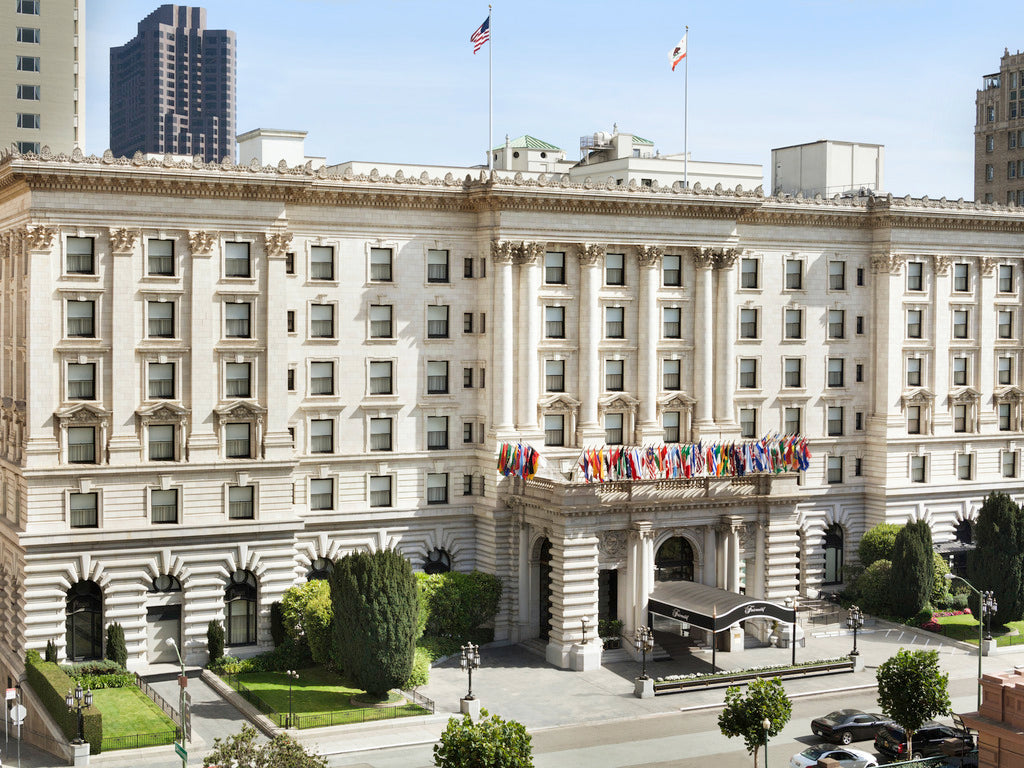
<point x="42" y="74"/>
<point x="172" y="87"/>
<point x="999" y="134"/>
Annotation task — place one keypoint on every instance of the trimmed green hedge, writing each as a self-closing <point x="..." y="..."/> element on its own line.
<point x="51" y="684"/>
<point x="458" y="604"/>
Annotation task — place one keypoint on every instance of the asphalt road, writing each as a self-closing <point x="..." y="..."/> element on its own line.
<point x="676" y="740"/>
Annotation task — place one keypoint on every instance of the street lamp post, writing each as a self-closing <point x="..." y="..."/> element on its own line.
<point x="181" y="693"/>
<point x="981" y="624"/>
<point x="855" y="620"/>
<point x="292" y="677"/>
<point x="988" y="607"/>
<point x="583" y="623"/>
<point x="469" y="661"/>
<point x="644" y="641"/>
<point x="78" y="702"/>
<point x="766" y="724"/>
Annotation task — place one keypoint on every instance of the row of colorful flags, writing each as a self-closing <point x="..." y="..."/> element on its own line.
<point x="518" y="459"/>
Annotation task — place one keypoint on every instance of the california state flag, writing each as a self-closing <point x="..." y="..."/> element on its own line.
<point x="678" y="53"/>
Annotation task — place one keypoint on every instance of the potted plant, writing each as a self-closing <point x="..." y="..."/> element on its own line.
<point x="610" y="631"/>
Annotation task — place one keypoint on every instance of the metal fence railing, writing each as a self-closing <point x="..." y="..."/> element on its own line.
<point x="161" y="702"/>
<point x="136" y="740"/>
<point x="420" y="700"/>
<point x="968" y="759"/>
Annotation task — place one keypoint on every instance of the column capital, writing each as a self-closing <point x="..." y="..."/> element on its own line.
<point x="201" y="243"/>
<point x="122" y="240"/>
<point x="38" y="237"/>
<point x="277" y="243"/>
<point x="529" y="252"/>
<point x="502" y="251"/>
<point x="590" y="253"/>
<point x="941" y="264"/>
<point x="726" y="258"/>
<point x="643" y="531"/>
<point x="987" y="265"/>
<point x="887" y="262"/>
<point x="703" y="258"/>
<point x="649" y="255"/>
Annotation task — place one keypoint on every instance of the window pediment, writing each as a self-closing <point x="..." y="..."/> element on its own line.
<point x="679" y="400"/>
<point x="965" y="396"/>
<point x="920" y="396"/>
<point x="82" y="413"/>
<point x="1009" y="395"/>
<point x="559" y="402"/>
<point x="619" y="402"/>
<point x="240" y="411"/>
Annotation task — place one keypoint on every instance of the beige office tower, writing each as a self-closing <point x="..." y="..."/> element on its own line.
<point x="42" y="82"/>
<point x="999" y="134"/>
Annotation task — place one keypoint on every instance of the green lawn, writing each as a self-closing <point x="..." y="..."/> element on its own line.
<point x="966" y="628"/>
<point x="127" y="712"/>
<point x="316" y="692"/>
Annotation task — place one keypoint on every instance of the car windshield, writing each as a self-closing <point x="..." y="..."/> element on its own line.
<point x="834" y="717"/>
<point x="813" y="752"/>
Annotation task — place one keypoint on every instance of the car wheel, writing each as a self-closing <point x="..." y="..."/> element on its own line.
<point x="916" y="756"/>
<point x="845" y="737"/>
<point x="871" y="765"/>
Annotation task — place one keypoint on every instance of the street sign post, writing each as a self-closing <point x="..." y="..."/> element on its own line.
<point x="18" y="714"/>
<point x="181" y="752"/>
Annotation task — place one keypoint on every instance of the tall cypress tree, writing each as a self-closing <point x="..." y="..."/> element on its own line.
<point x="375" y="619"/>
<point x="924" y="532"/>
<point x="912" y="572"/>
<point x="997" y="562"/>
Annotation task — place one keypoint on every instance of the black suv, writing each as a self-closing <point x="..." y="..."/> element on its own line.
<point x="891" y="741"/>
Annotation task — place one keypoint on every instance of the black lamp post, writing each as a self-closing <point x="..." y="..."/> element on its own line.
<point x="644" y="641"/>
<point x="292" y="677"/>
<point x="78" y="701"/>
<point x="988" y="607"/>
<point x="767" y="725"/>
<point x="469" y="661"/>
<point x="855" y="620"/>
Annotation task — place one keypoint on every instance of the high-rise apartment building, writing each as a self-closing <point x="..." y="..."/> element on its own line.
<point x="42" y="74"/>
<point x="172" y="87"/>
<point x="999" y="134"/>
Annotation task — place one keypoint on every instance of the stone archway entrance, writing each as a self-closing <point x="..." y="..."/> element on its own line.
<point x="674" y="561"/>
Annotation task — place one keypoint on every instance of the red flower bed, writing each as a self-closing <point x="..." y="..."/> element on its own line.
<point x="932" y="626"/>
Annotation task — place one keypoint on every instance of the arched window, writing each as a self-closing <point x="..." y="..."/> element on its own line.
<point x="165" y="583"/>
<point x="240" y="604"/>
<point x="965" y="532"/>
<point x="674" y="561"/>
<point x="84" y="621"/>
<point x="320" y="569"/>
<point x="834" y="554"/>
<point x="437" y="561"/>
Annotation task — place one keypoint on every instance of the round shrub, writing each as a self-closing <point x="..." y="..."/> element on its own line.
<point x="873" y="587"/>
<point x="877" y="543"/>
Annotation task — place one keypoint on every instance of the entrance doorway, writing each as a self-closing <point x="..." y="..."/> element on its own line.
<point x="608" y="594"/>
<point x="674" y="561"/>
<point x="163" y="622"/>
<point x="544" y="585"/>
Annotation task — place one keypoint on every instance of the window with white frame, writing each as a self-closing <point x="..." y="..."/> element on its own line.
<point x="238" y="320"/>
<point x="554" y="375"/>
<point x="614" y="322"/>
<point x="913" y="419"/>
<point x="748" y="423"/>
<point x="671" y="271"/>
<point x="160" y="381"/>
<point x="321" y="436"/>
<point x="236" y="260"/>
<point x="794" y="323"/>
<point x="1008" y="463"/>
<point x="791" y="418"/>
<point x="28" y="120"/>
<point x="437" y="322"/>
<point x="836" y="323"/>
<point x="1006" y="278"/>
<point x="1004" y="323"/>
<point x="615" y="269"/>
<point x="160" y="320"/>
<point x="1005" y="414"/>
<point x="467" y="432"/>
<point x="321" y="262"/>
<point x="613" y="375"/>
<point x="794" y="274"/>
<point x="27" y="63"/>
<point x="837" y="275"/>
<point x="437" y="433"/>
<point x="834" y="470"/>
<point x="27" y="35"/>
<point x="613" y="428"/>
<point x="467" y="266"/>
<point x="670" y="425"/>
<point x="81" y="381"/>
<point x="671" y="379"/>
<point x="554" y="322"/>
<point x="913" y="372"/>
<point x="554" y="268"/>
<point x="380" y="490"/>
<point x="163" y="505"/>
<point x="380" y="434"/>
<point x="960" y="371"/>
<point x="241" y="502"/>
<point x="915" y="276"/>
<point x="467" y="322"/>
<point x="914" y="323"/>
<point x="1004" y="371"/>
<point x="748" y="373"/>
<point x="238" y="441"/>
<point x="82" y="319"/>
<point x="748" y="323"/>
<point x="81" y="445"/>
<point x="80" y="256"/>
<point x="437" y="488"/>
<point x="792" y="372"/>
<point x="84" y="510"/>
<point x="960" y="417"/>
<point x="437" y="377"/>
<point x="161" y="438"/>
<point x="437" y="266"/>
<point x="321" y="378"/>
<point x="960" y="323"/>
<point x="380" y="321"/>
<point x="321" y="321"/>
<point x="964" y="466"/>
<point x="917" y="469"/>
<point x="836" y="372"/>
<point x="28" y="92"/>
<point x="834" y="425"/>
<point x="160" y="258"/>
<point x="321" y="493"/>
<point x="238" y="379"/>
<point x="380" y="265"/>
<point x="749" y="269"/>
<point x="961" y="278"/>
<point x="381" y="381"/>
<point x="672" y="323"/>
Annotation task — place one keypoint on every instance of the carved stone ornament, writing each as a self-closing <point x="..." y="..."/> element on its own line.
<point x="529" y="252"/>
<point x="942" y="264"/>
<point x="39" y="237"/>
<point x="703" y="258"/>
<point x="200" y="243"/>
<point x="123" y="240"/>
<point x="502" y="251"/>
<point x="891" y="263"/>
<point x="277" y="243"/>
<point x="726" y="258"/>
<point x="649" y="255"/>
<point x="988" y="265"/>
<point x="612" y="544"/>
<point x="590" y="254"/>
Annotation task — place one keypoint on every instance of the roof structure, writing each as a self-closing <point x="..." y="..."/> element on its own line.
<point x="711" y="608"/>
<point x="529" y="142"/>
<point x="641" y="140"/>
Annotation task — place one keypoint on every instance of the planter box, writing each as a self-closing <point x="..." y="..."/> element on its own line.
<point x="722" y="681"/>
<point x="611" y="643"/>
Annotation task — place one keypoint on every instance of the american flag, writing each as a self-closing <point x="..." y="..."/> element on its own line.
<point x="481" y="36"/>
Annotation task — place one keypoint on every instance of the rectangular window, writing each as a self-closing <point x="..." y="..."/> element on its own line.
<point x="81" y="381"/>
<point x="160" y="383"/>
<point x="291" y="379"/>
<point x="835" y="420"/>
<point x="161" y="319"/>
<point x="437" y="488"/>
<point x="960" y="371"/>
<point x="959" y="418"/>
<point x="613" y="429"/>
<point x="321" y="493"/>
<point x="291" y="320"/>
<point x="554" y="429"/>
<point x="237" y="320"/>
<point x="1006" y="278"/>
<point x="1004" y="371"/>
<point x="81" y="321"/>
<point x="961" y="277"/>
<point x="467" y="432"/>
<point x="791" y="421"/>
<point x="161" y="442"/>
<point x="240" y="502"/>
<point x="1005" y="417"/>
<point x="670" y="424"/>
<point x="614" y="322"/>
<point x="321" y="262"/>
<point x="670" y="375"/>
<point x="748" y="323"/>
<point x="671" y="271"/>
<point x="163" y="505"/>
<point x="915" y="276"/>
<point x="837" y="275"/>
<point x="437" y="433"/>
<point x="1004" y="323"/>
<point x="836" y="372"/>
<point x="834" y="470"/>
<point x="792" y="372"/>
<point x="613" y="375"/>
<point x="30" y="7"/>
<point x="380" y="490"/>
<point x="81" y="445"/>
<point x="437" y="377"/>
<point x="237" y="441"/>
<point x="913" y="323"/>
<point x="794" y="274"/>
<point x="28" y="64"/>
<point x="380" y="377"/>
<point x="467" y="378"/>
<point x="913" y="419"/>
<point x="437" y="266"/>
<point x="859" y="375"/>
<point x="84" y="511"/>
<point x="917" y="469"/>
<point x="860" y="324"/>
<point x="748" y="273"/>
<point x="321" y="436"/>
<point x="28" y="35"/>
<point x="960" y="318"/>
<point x="467" y="322"/>
<point x="321" y="378"/>
<point x="554" y="322"/>
<point x="236" y="260"/>
<point x="321" y="321"/>
<point x="483" y="322"/>
<point x="467" y="267"/>
<point x="380" y="321"/>
<point x="28" y="92"/>
<point x="289" y="263"/>
<point x="380" y="434"/>
<point x="671" y="325"/>
<point x="836" y="323"/>
<point x="160" y="257"/>
<point x="748" y="423"/>
<point x="554" y="268"/>
<point x="380" y="265"/>
<point x="237" y="379"/>
<point x="80" y="260"/>
<point x="554" y="375"/>
<point x="748" y="373"/>
<point x="913" y="372"/>
<point x="615" y="269"/>
<point x="964" y="466"/>
<point x="437" y="322"/>
<point x="1009" y="463"/>
<point x="794" y="323"/>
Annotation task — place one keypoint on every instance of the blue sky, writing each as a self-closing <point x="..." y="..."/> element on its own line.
<point x="395" y="80"/>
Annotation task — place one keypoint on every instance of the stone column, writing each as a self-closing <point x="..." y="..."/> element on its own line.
<point x="650" y="262"/>
<point x="574" y="584"/>
<point x="204" y="334"/>
<point x="734" y="558"/>
<point x="640" y="575"/>
<point x="40" y="334"/>
<point x="891" y="328"/>
<point x="703" y="341"/>
<point x="722" y="557"/>
<point x="939" y="383"/>
<point x="277" y="441"/>
<point x="710" y="549"/>
<point x="591" y="256"/>
<point x="987" y="331"/>
<point x="522" y="620"/>
<point x="725" y="343"/>
<point x="124" y="368"/>
<point x="529" y="258"/>
<point x="755" y="585"/>
<point x="504" y="329"/>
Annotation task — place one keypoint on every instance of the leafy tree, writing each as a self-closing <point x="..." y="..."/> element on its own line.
<point x="912" y="690"/>
<point x="375" y="619"/>
<point x="117" y="650"/>
<point x="240" y="750"/>
<point x="459" y="603"/>
<point x="744" y="714"/>
<point x="923" y="531"/>
<point x="490" y="742"/>
<point x="997" y="562"/>
<point x="215" y="640"/>
<point x="877" y="543"/>
<point x="913" y="588"/>
<point x="51" y="651"/>
<point x="306" y="611"/>
<point x="873" y="588"/>
<point x="941" y="589"/>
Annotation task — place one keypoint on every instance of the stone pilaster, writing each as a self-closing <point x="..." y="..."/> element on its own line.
<point x="725" y="355"/>
<point x="124" y="368"/>
<point x="650" y="262"/>
<point x="529" y="260"/>
<point x="703" y="341"/>
<point x="38" y="242"/>
<point x="940" y="381"/>
<point x="502" y="403"/>
<point x="275" y="385"/>
<point x="590" y="256"/>
<point x="987" y="332"/>
<point x="574" y="577"/>
<point x="204" y="334"/>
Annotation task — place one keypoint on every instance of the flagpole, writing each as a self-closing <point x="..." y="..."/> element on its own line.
<point x="686" y="100"/>
<point x="490" y="92"/>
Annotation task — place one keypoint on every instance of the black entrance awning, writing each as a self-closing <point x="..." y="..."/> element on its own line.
<point x="711" y="608"/>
